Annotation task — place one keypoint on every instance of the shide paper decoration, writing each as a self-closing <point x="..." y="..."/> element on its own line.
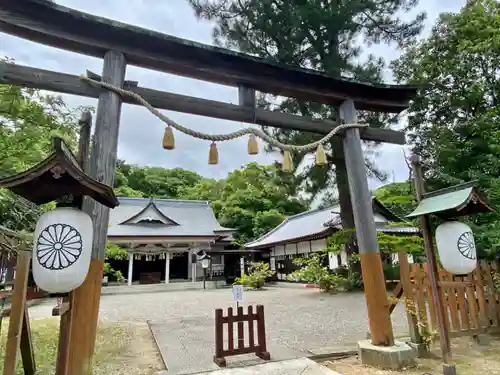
<point x="253" y="133"/>
<point x="456" y="247"/>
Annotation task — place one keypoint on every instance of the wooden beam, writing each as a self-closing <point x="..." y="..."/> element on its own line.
<point x="86" y="298"/>
<point x="17" y="313"/>
<point x="371" y="263"/>
<point x="70" y="84"/>
<point x="57" y="26"/>
<point x="433" y="274"/>
<point x="26" y="346"/>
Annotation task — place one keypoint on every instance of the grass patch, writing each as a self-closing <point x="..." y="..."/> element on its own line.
<point x="125" y="349"/>
<point x="470" y="359"/>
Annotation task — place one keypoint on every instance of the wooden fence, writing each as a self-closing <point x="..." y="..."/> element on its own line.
<point x="241" y="347"/>
<point x="471" y="302"/>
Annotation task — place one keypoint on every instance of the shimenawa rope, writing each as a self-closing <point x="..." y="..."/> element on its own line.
<point x="222" y="137"/>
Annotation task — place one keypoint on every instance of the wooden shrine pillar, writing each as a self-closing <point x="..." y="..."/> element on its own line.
<point x="85" y="299"/>
<point x="366" y="233"/>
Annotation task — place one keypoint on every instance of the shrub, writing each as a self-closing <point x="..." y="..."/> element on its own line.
<point x="258" y="273"/>
<point x="313" y="271"/>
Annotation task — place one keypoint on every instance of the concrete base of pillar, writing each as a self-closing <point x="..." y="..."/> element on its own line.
<point x="422" y="350"/>
<point x="386" y="357"/>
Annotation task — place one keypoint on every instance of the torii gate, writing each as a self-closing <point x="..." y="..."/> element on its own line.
<point x="120" y="44"/>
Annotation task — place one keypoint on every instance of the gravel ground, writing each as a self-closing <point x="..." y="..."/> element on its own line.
<point x="300" y="318"/>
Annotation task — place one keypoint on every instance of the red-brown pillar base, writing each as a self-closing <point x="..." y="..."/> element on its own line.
<point x="85" y="309"/>
<point x="376" y="299"/>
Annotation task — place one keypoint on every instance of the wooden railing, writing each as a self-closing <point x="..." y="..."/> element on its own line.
<point x="471" y="302"/>
<point x="254" y="320"/>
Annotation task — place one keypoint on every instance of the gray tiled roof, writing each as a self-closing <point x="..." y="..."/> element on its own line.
<point x="194" y="218"/>
<point x="312" y="223"/>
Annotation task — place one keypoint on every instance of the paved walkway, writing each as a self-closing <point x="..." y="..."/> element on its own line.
<point x="301" y="366"/>
<point x="298" y="321"/>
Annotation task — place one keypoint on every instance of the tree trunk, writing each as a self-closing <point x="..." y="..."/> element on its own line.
<point x="346" y="212"/>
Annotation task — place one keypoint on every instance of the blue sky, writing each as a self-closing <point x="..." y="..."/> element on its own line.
<point x="140" y="132"/>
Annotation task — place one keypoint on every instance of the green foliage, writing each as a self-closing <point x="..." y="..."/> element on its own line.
<point x="398" y="197"/>
<point x="392" y="243"/>
<point x="314" y="271"/>
<point x="313" y="34"/>
<point x="111" y="272"/>
<point x="28" y="121"/>
<point x="391" y="271"/>
<point x="253" y="199"/>
<point x="258" y="273"/>
<point x="336" y="242"/>
<point x="454" y="122"/>
<point x="115" y="252"/>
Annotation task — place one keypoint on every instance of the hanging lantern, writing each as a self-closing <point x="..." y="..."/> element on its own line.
<point x="456" y="247"/>
<point x="62" y="246"/>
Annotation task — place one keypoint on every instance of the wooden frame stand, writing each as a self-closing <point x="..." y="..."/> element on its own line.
<point x="240" y="318"/>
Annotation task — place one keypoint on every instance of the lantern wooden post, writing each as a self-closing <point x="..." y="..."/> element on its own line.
<point x="444" y="334"/>
<point x="366" y="234"/>
<point x="60" y="178"/>
<point x="85" y="123"/>
<point x="102" y="167"/>
<point x="17" y="313"/>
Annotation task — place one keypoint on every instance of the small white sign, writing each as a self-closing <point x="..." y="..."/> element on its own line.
<point x="238" y="293"/>
<point x="333" y="261"/>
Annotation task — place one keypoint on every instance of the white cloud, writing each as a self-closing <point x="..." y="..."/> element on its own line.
<point x="141" y="132"/>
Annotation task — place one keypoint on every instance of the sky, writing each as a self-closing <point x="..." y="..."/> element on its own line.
<point x="140" y="132"/>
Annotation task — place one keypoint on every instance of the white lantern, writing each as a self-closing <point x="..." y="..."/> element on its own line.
<point x="62" y="246"/>
<point x="205" y="263"/>
<point x="456" y="247"/>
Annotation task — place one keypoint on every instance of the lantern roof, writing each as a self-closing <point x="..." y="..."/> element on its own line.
<point x="57" y="176"/>
<point x="459" y="200"/>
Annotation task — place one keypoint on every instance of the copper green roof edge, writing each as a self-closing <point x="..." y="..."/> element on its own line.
<point x="442" y="202"/>
<point x="223" y="51"/>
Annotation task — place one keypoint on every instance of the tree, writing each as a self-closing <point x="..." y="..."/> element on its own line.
<point x="253" y="199"/>
<point x="28" y="121"/>
<point x="399" y="197"/>
<point x="317" y="34"/>
<point x="454" y="121"/>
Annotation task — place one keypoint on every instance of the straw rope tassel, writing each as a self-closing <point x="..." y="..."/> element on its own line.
<point x="168" y="139"/>
<point x="213" y="155"/>
<point x="287" y="162"/>
<point x="320" y="156"/>
<point x="253" y="146"/>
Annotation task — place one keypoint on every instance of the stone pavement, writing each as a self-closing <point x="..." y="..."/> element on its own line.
<point x="298" y="320"/>
<point x="187" y="346"/>
<point x="301" y="366"/>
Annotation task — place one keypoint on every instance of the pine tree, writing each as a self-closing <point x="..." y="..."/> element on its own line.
<point x="322" y="35"/>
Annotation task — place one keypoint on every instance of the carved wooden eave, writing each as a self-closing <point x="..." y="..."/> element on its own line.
<point x="45" y="22"/>
<point x="59" y="175"/>
<point x="455" y="201"/>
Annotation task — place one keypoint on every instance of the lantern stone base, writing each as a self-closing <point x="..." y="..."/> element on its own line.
<point x="394" y="357"/>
